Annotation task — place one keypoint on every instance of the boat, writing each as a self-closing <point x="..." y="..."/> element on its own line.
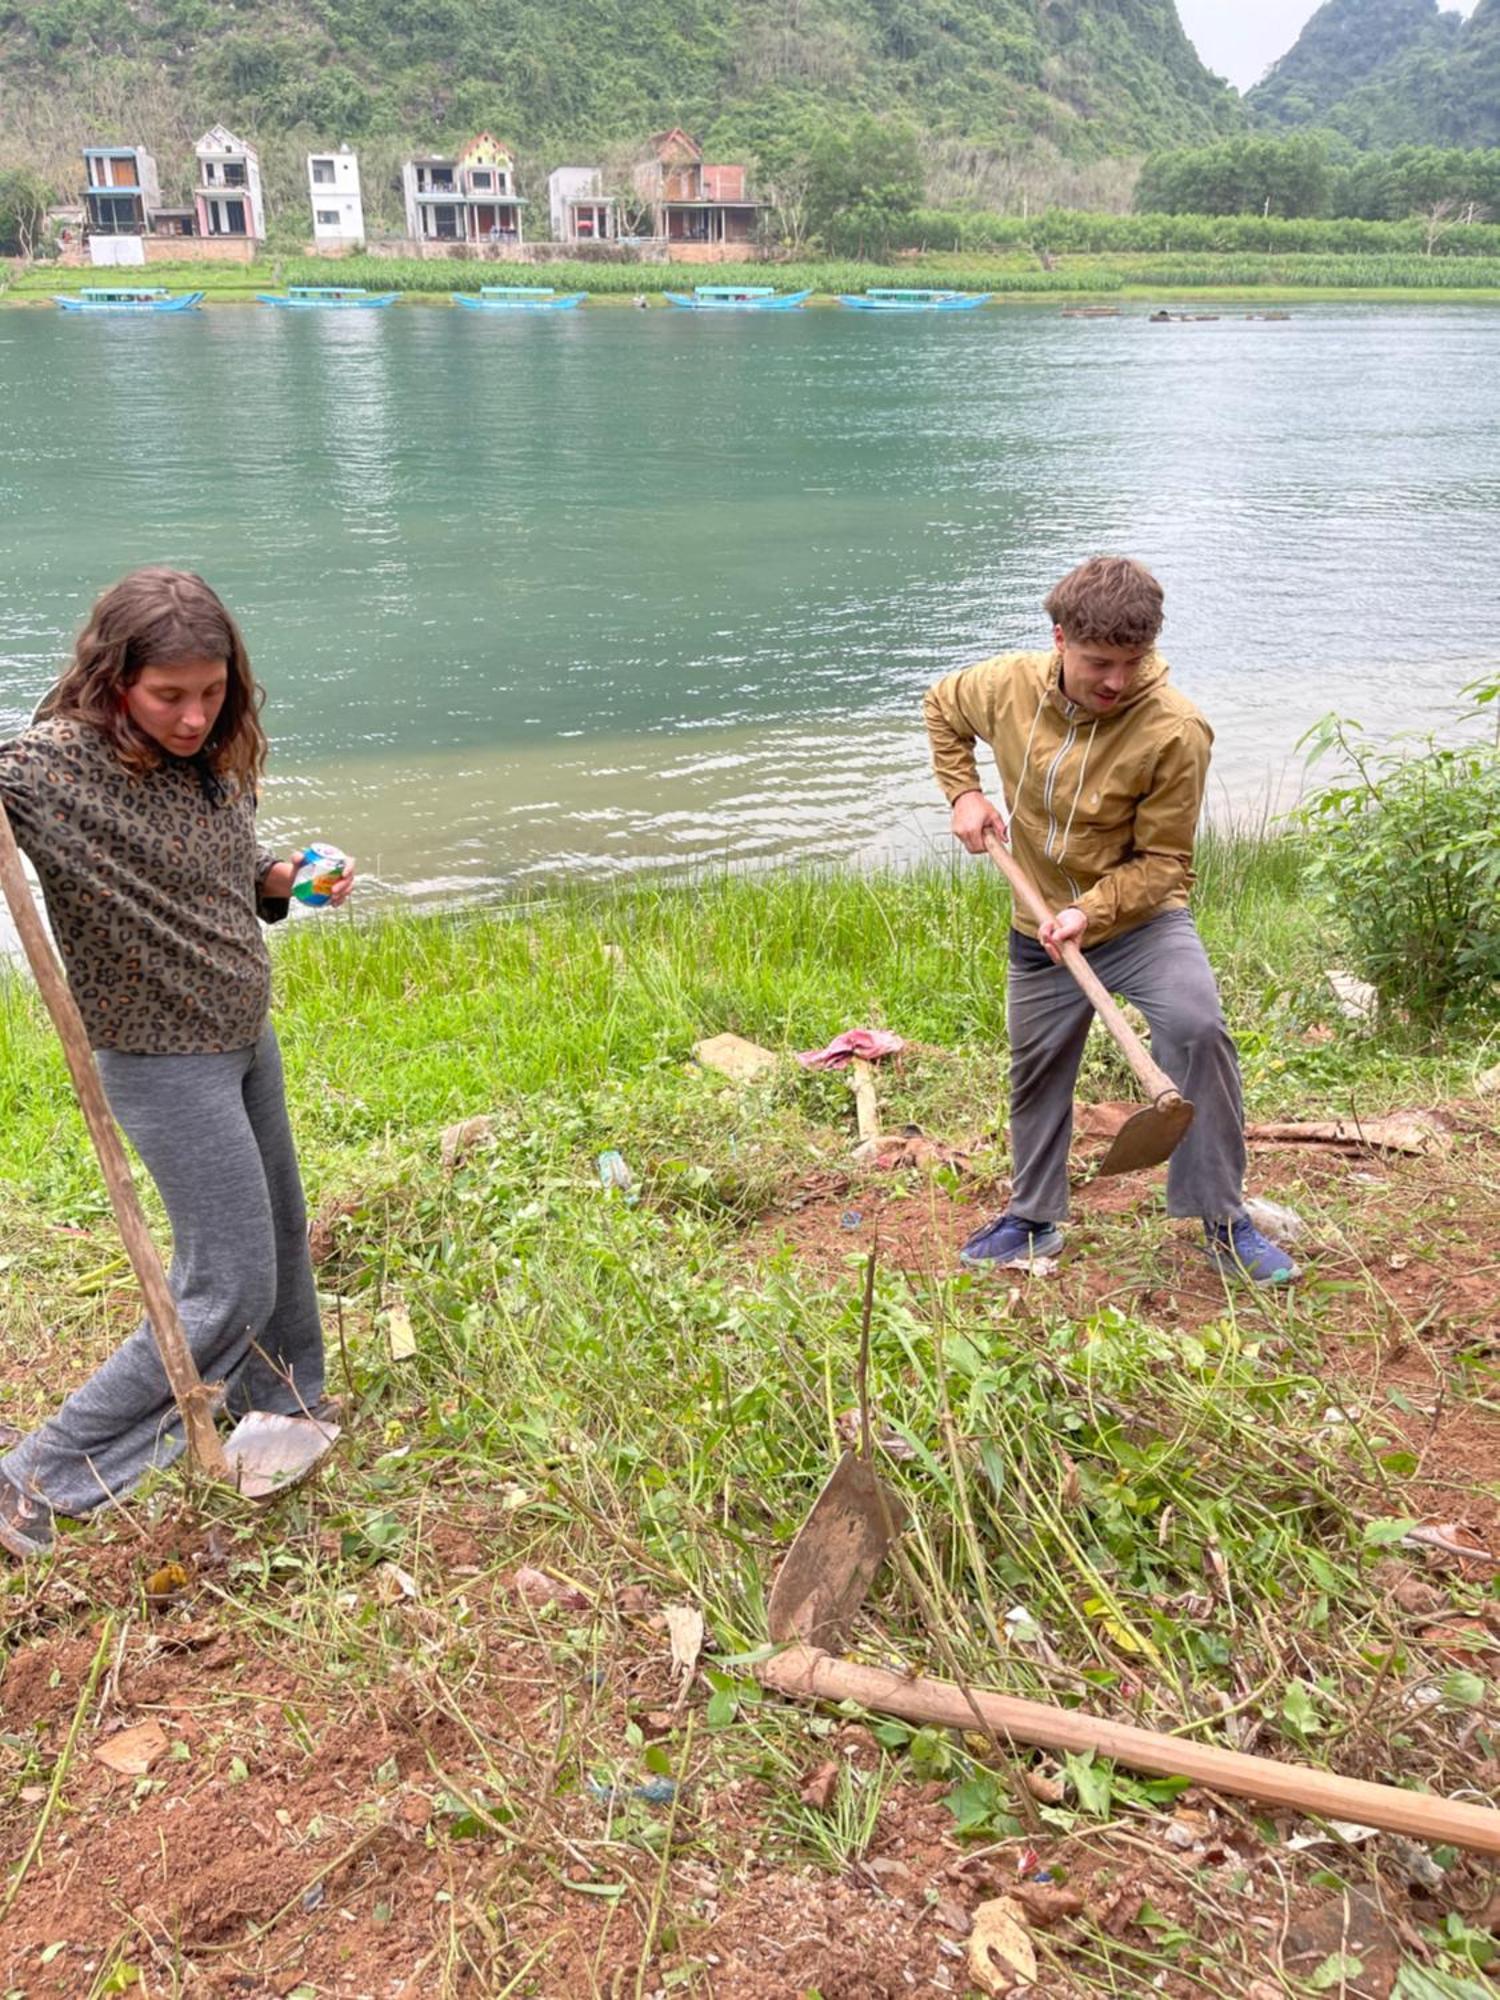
<point x="737" y="298"/>
<point x="519" y="298"/>
<point x="334" y="296"/>
<point x="887" y="298"/>
<point x="127" y="299"/>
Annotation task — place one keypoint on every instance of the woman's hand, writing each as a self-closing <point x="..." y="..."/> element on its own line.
<point x="343" y="889"/>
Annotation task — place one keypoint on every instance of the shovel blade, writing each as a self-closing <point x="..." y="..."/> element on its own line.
<point x="268" y="1453"/>
<point x="834" y="1559"/>
<point x="1151" y="1136"/>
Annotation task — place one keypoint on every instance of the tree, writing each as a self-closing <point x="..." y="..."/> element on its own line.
<point x="864" y="182"/>
<point x="23" y="212"/>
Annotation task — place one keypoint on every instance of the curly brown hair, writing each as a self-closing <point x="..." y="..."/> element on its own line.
<point x="1108" y="601"/>
<point x="158" y="618"/>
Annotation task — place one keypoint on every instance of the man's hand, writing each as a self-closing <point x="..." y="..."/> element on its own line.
<point x="1067" y="927"/>
<point x="973" y="815"/>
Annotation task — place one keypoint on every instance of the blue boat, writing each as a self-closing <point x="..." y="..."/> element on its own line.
<point x="886" y="298"/>
<point x="334" y="297"/>
<point x="127" y="299"/>
<point x="519" y="298"/>
<point x="737" y="298"/>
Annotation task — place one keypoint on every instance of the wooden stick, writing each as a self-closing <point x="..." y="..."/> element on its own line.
<point x="161" y="1308"/>
<point x="866" y="1107"/>
<point x="816" y="1676"/>
<point x="1151" y="1077"/>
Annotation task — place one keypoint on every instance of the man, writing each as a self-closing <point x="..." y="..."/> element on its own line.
<point x="1103" y="765"/>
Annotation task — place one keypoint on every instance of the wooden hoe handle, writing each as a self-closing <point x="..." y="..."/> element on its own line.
<point x="814" y="1675"/>
<point x="1152" y="1079"/>
<point x="161" y="1308"/>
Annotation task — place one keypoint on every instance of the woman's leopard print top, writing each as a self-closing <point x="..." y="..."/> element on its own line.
<point x="152" y="887"/>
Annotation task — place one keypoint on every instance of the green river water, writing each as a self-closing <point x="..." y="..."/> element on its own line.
<point x="615" y="589"/>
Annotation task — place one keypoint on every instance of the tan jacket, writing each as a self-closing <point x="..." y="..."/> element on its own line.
<point x="1104" y="808"/>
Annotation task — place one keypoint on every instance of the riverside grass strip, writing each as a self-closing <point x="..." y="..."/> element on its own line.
<point x="1013" y="276"/>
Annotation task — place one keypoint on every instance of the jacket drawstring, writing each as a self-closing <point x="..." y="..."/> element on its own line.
<point x="1077" y="795"/>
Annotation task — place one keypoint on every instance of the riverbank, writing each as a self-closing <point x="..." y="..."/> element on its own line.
<point x="1011" y="279"/>
<point x="408" y="1713"/>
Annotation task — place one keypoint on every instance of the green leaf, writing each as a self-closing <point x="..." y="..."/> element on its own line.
<point x="1381" y="1534"/>
<point x="722" y="1708"/>
<point x="1092" y="1782"/>
<point x="1463" y="1690"/>
<point x="1335" y="1971"/>
<point x="1299" y="1710"/>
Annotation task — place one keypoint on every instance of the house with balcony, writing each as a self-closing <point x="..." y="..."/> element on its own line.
<point x="338" y="209"/>
<point x="469" y="197"/>
<point x="227" y="196"/>
<point x="121" y="190"/>
<point x="578" y="208"/>
<point x="691" y="202"/>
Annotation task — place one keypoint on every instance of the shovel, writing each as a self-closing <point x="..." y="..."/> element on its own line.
<point x="846" y="1537"/>
<point x="265" y="1452"/>
<point x="1158" y="1128"/>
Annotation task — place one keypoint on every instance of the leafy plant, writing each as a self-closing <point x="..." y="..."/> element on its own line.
<point x="1406" y="860"/>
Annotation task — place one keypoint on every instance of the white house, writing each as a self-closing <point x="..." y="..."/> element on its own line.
<point x="578" y="208"/>
<point x="337" y="210"/>
<point x="467" y="197"/>
<point x="227" y="196"/>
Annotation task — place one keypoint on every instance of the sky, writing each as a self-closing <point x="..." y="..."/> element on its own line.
<point x="1240" y="39"/>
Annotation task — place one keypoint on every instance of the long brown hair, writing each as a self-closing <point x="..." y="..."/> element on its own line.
<point x="158" y="618"/>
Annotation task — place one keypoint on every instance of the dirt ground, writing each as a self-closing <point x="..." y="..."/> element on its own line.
<point x="297" y="1837"/>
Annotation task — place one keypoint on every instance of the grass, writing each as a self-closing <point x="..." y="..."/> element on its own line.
<point x="637" y="1392"/>
<point x="1016" y="276"/>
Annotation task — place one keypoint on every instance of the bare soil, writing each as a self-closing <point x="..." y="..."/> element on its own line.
<point x="302" y="1836"/>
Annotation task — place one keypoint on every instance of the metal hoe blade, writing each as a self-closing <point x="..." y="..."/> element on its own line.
<point x="268" y="1453"/>
<point x="833" y="1561"/>
<point x="1149" y="1137"/>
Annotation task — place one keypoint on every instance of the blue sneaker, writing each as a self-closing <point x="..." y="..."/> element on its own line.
<point x="1240" y="1251"/>
<point x="1011" y="1239"/>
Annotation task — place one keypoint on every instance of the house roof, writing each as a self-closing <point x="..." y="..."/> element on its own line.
<point x="219" y="139"/>
<point x="676" y="140"/>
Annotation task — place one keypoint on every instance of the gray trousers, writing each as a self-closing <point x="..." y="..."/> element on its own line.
<point x="1162" y="968"/>
<point x="213" y="1133"/>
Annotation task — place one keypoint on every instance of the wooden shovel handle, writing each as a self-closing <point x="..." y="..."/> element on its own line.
<point x="818" y="1676"/>
<point x="161" y="1308"/>
<point x="1152" y="1079"/>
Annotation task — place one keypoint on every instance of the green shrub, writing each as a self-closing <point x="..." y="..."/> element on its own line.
<point x="1406" y="860"/>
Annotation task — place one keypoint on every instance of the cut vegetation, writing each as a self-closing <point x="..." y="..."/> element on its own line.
<point x="443" y="1722"/>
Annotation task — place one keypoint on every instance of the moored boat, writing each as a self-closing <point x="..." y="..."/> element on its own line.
<point x="332" y="296"/>
<point x="737" y="298"/>
<point x="889" y="298"/>
<point x="519" y="298"/>
<point x="127" y="298"/>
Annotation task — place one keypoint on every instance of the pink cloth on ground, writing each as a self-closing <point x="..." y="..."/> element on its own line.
<point x="871" y="1043"/>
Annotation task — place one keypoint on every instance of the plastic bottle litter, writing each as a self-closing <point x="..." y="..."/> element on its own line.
<point x="321" y="867"/>
<point x="655" y="1792"/>
<point x="614" y="1174"/>
<point x="1282" y="1225"/>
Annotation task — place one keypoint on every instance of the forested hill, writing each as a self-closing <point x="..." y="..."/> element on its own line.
<point x="1391" y="72"/>
<point x="1091" y="78"/>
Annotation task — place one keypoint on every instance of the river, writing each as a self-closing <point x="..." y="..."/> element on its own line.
<point x="615" y="589"/>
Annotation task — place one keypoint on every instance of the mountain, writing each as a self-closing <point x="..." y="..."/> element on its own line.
<point x="1388" y="73"/>
<point x="1087" y="78"/>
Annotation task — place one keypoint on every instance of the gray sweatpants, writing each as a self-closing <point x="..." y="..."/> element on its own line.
<point x="1162" y="968"/>
<point x="213" y="1133"/>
